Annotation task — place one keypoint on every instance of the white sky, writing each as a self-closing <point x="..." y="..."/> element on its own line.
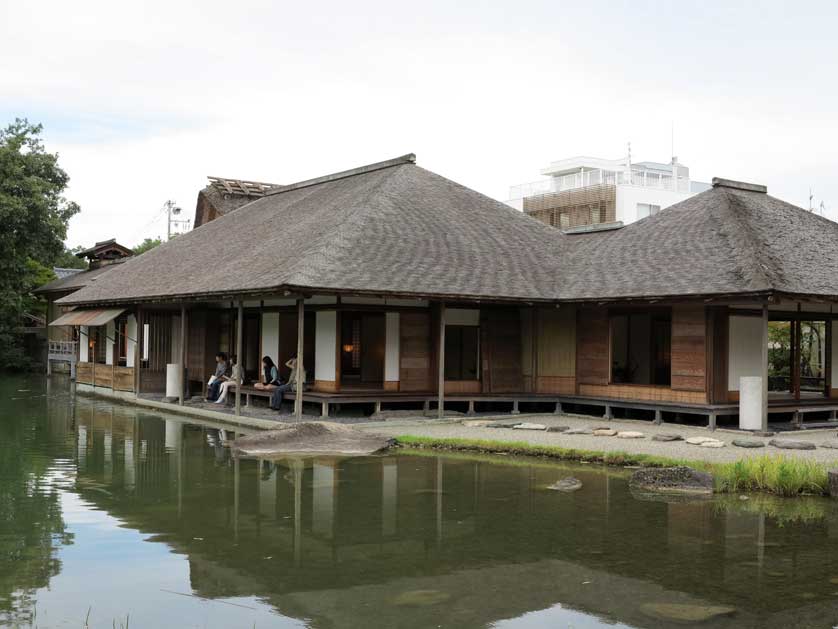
<point x="143" y="100"/>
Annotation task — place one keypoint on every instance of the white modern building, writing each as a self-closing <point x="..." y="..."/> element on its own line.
<point x="580" y="192"/>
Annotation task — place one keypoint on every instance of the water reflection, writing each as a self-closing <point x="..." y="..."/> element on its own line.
<point x="408" y="540"/>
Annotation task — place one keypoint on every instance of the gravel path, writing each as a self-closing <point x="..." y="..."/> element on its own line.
<point x="455" y="428"/>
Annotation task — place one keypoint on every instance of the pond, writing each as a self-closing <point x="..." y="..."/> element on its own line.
<point x="111" y="516"/>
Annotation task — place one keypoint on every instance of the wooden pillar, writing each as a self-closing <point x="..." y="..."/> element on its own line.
<point x="298" y="394"/>
<point x="137" y="351"/>
<point x="441" y="367"/>
<point x="183" y="381"/>
<point x="239" y="334"/>
<point x="765" y="366"/>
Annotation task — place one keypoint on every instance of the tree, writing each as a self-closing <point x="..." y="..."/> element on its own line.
<point x="69" y="260"/>
<point x="145" y="245"/>
<point x="34" y="215"/>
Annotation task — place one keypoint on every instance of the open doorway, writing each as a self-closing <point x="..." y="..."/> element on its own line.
<point x="797" y="358"/>
<point x="362" y="344"/>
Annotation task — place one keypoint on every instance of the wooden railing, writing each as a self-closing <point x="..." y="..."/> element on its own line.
<point x="62" y="348"/>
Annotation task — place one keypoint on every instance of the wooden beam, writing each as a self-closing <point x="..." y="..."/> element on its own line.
<point x="183" y="380"/>
<point x="239" y="335"/>
<point x="137" y="350"/>
<point x="441" y="366"/>
<point x="298" y="394"/>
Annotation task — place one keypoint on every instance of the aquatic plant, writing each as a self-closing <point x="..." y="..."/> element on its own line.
<point x="777" y="474"/>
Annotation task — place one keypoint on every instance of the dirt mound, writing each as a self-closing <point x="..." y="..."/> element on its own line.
<point x="311" y="438"/>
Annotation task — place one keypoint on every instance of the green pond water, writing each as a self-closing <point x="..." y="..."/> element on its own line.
<point x="113" y="516"/>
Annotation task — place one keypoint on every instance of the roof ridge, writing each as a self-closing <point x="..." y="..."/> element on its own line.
<point x="754" y="248"/>
<point x="335" y="240"/>
<point x="409" y="158"/>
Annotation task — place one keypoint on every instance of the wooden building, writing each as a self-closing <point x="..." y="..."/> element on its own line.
<point x="398" y="285"/>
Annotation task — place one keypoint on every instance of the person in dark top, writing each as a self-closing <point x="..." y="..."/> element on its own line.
<point x="270" y="375"/>
<point x="214" y="384"/>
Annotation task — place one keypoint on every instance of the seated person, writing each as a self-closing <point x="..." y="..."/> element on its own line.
<point x="214" y="383"/>
<point x="235" y="378"/>
<point x="270" y="376"/>
<point x="291" y="385"/>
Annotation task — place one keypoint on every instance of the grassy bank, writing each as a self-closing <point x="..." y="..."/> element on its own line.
<point x="777" y="474"/>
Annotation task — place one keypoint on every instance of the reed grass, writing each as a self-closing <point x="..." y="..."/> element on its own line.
<point x="773" y="474"/>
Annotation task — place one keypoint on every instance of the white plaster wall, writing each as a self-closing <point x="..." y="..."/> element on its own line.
<point x="392" y="346"/>
<point x="460" y="316"/>
<point x="270" y="336"/>
<point x="110" y="330"/>
<point x="131" y="331"/>
<point x="83" y="341"/>
<point x="629" y="196"/>
<point x="323" y="499"/>
<point x="744" y="349"/>
<point x="834" y="355"/>
<point x="325" y="345"/>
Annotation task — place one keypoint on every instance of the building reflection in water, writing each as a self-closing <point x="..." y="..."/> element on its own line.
<point x="329" y="536"/>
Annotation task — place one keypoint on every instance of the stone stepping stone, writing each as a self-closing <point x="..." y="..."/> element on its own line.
<point x="713" y="443"/>
<point x="789" y="444"/>
<point x="579" y="431"/>
<point x="747" y="443"/>
<point x="558" y="428"/>
<point x="566" y="485"/>
<point x="477" y="423"/>
<point x="830" y="445"/>
<point x="697" y="441"/>
<point x="763" y="433"/>
<point x="529" y="426"/>
<point x="604" y="432"/>
<point x="684" y="613"/>
<point x="502" y="424"/>
<point x="667" y="437"/>
<point x="629" y="434"/>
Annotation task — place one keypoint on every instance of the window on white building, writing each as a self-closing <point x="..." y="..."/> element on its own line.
<point x="647" y="209"/>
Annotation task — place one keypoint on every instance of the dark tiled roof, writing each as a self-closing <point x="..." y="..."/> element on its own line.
<point x="396" y="228"/>
<point x="74" y="281"/>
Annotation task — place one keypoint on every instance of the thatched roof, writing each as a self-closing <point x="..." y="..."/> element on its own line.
<point x="223" y="195"/>
<point x="731" y="239"/>
<point x="394" y="228"/>
<point x="74" y="281"/>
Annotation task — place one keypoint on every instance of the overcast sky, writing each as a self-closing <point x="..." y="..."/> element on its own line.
<point x="143" y="100"/>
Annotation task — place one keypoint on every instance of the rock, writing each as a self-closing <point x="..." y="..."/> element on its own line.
<point x="310" y="439"/>
<point x="629" y="434"/>
<point x="747" y="443"/>
<point x="684" y="613"/>
<point x="421" y="598"/>
<point x="566" y="485"/>
<point x="579" y="431"/>
<point x="832" y="477"/>
<point x="604" y="432"/>
<point x="830" y="445"/>
<point x="680" y="480"/>
<point x="502" y="424"/>
<point x="697" y="441"/>
<point x="558" y="428"/>
<point x="601" y="428"/>
<point x="667" y="437"/>
<point x="529" y="426"/>
<point x="790" y="444"/>
<point x="713" y="443"/>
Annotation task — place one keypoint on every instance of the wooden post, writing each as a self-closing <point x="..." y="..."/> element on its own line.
<point x="239" y="356"/>
<point x="764" y="366"/>
<point x="137" y="351"/>
<point x="298" y="394"/>
<point x="183" y="381"/>
<point x="441" y="368"/>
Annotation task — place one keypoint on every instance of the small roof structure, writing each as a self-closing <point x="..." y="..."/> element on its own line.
<point x="395" y="229"/>
<point x="91" y="317"/>
<point x="106" y="249"/>
<point x="223" y="195"/>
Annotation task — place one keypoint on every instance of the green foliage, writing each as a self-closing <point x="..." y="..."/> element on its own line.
<point x="68" y="259"/>
<point x="145" y="245"/>
<point x="34" y="215"/>
<point x="780" y="475"/>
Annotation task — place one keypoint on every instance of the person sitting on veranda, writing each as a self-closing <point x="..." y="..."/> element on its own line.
<point x="232" y="381"/>
<point x="291" y="385"/>
<point x="270" y="376"/>
<point x="215" y="380"/>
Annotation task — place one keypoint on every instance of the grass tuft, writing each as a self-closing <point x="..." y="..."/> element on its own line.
<point x="774" y="474"/>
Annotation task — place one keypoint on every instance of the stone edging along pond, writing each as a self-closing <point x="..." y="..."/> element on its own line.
<point x="774" y="474"/>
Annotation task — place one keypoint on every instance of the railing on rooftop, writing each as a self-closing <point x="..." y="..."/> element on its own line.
<point x="643" y="178"/>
